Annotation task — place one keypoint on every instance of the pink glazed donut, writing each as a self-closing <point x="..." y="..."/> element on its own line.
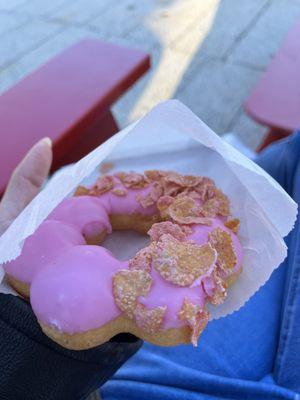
<point x="82" y="295"/>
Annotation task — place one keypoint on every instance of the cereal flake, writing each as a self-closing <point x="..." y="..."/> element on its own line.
<point x="163" y="228"/>
<point x="215" y="288"/>
<point x="217" y="205"/>
<point x="233" y="225"/>
<point x="128" y="285"/>
<point x="182" y="263"/>
<point x="132" y="180"/>
<point x="186" y="210"/>
<point x="149" y="320"/>
<point x="103" y="185"/>
<point x="222" y="242"/>
<point x="196" y="317"/>
<point x="81" y="191"/>
<point x="142" y="260"/>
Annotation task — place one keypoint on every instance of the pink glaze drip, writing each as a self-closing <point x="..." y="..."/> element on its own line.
<point x="72" y="283"/>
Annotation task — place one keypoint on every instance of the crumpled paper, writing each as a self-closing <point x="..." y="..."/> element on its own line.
<point x="172" y="137"/>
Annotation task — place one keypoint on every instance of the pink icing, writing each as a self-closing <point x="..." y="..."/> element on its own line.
<point x="48" y="242"/>
<point x="127" y="204"/>
<point x="164" y="293"/>
<point x="71" y="283"/>
<point x="79" y="297"/>
<point x="84" y="212"/>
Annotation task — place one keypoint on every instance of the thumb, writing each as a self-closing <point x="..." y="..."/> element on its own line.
<point x="25" y="182"/>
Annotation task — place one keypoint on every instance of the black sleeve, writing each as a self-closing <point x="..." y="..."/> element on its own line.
<point x="33" y="367"/>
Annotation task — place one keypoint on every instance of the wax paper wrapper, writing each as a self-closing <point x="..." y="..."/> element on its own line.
<point x="171" y="137"/>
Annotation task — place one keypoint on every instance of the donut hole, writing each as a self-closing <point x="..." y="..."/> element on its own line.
<point x="129" y="234"/>
<point x="124" y="244"/>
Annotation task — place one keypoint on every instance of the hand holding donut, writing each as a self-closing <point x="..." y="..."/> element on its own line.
<point x="25" y="182"/>
<point x="24" y="348"/>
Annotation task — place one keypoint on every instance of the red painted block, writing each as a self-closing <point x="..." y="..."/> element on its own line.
<point x="275" y="100"/>
<point x="68" y="99"/>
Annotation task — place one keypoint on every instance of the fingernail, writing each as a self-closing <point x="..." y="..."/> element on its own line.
<point x="47" y="141"/>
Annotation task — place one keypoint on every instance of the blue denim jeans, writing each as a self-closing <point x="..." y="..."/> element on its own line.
<point x="253" y="353"/>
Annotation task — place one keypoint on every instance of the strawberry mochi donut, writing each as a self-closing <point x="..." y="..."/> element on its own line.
<point x="82" y="295"/>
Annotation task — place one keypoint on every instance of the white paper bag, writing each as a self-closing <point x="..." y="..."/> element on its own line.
<point x="172" y="137"/>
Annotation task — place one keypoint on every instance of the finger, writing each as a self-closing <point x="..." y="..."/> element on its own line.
<point x="25" y="182"/>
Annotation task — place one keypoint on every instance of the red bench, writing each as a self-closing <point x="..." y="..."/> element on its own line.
<point x="68" y="99"/>
<point x="275" y="100"/>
